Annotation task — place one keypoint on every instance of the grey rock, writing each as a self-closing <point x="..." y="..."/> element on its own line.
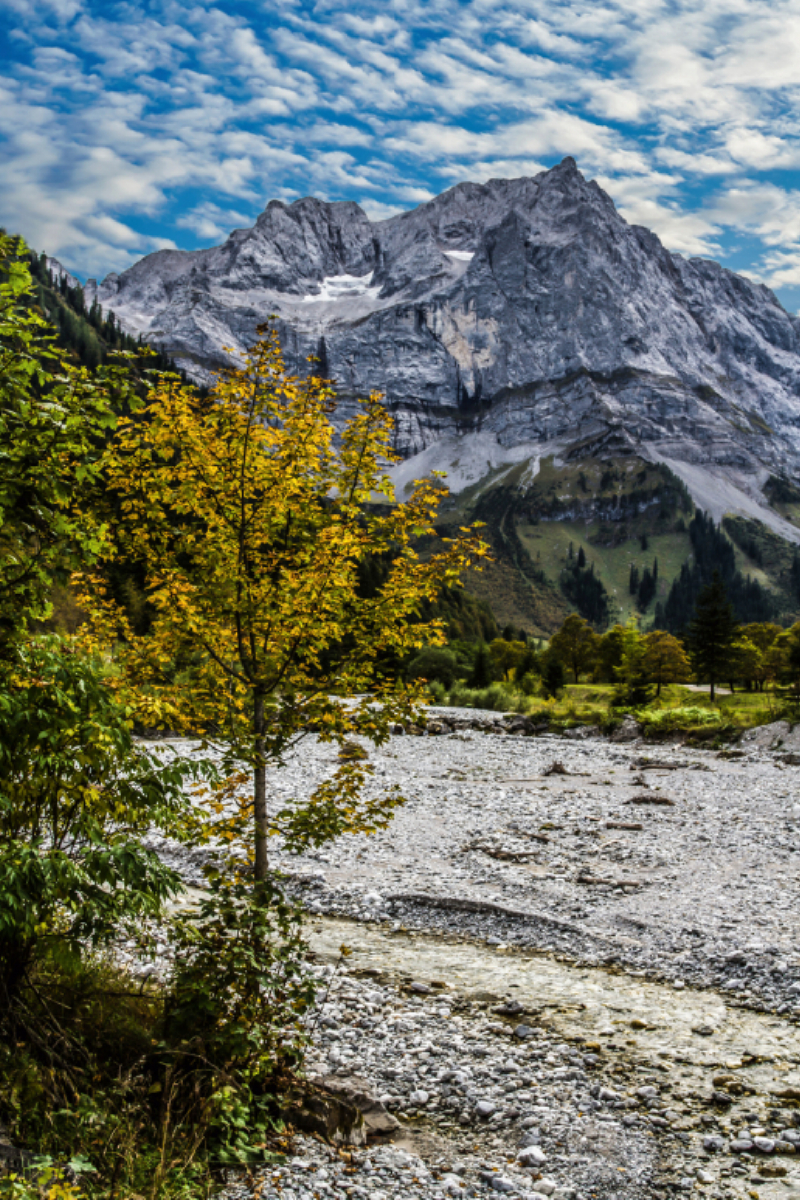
<point x="628" y="731"/>
<point x="525" y="309"/>
<point x="764" y="737"/>
<point x="361" y="1095"/>
<point x="501" y="1183"/>
<point x="531" y="1156"/>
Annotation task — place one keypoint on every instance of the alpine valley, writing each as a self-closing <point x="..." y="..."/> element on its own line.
<point x="583" y="388"/>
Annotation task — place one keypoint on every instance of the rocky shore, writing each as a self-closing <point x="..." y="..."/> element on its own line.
<point x="615" y="1011"/>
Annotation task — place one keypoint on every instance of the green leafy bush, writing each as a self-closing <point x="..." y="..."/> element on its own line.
<point x="76" y="797"/>
<point x="678" y="718"/>
<point x="436" y="664"/>
<point x="233" y="1023"/>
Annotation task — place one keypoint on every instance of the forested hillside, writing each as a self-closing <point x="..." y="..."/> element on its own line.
<point x="90" y="334"/>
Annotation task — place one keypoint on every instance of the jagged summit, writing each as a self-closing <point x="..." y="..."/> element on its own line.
<point x="524" y="309"/>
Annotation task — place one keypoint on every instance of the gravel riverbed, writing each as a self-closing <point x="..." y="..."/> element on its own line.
<point x="660" y="879"/>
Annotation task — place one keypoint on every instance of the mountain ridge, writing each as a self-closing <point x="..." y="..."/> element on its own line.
<point x="527" y="308"/>
<point x="564" y="369"/>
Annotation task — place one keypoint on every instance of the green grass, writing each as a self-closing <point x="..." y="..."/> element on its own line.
<point x="677" y="708"/>
<point x="548" y="545"/>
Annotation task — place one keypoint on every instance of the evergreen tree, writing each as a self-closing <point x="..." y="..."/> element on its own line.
<point x="712" y="551"/>
<point x="633" y="580"/>
<point x="712" y="631"/>
<point x="794" y="574"/>
<point x="587" y="592"/>
<point x="553" y="676"/>
<point x="481" y="675"/>
<point x="581" y="557"/>
<point x="647" y="589"/>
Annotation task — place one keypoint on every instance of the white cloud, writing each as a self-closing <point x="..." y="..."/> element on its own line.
<point x="377" y="210"/>
<point x="213" y="223"/>
<point x="184" y="116"/>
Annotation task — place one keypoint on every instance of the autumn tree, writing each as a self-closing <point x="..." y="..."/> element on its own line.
<point x="762" y="635"/>
<point x="782" y="660"/>
<point x="608" y="658"/>
<point x="632" y="680"/>
<point x="506" y="655"/>
<point x="743" y="661"/>
<point x="575" y="645"/>
<point x="712" y="632"/>
<point x="250" y="516"/>
<point x="665" y="660"/>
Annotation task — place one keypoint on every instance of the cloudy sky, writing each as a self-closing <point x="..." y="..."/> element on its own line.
<point x="131" y="126"/>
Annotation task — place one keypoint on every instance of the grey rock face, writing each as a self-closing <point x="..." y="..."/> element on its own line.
<point x="526" y="308"/>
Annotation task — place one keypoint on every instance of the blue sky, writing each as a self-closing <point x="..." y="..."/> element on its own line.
<point x="127" y="127"/>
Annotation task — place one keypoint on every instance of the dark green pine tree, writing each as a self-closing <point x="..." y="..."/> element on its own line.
<point x="647" y="589"/>
<point x="712" y="631"/>
<point x="633" y="580"/>
<point x="481" y="675"/>
<point x="794" y="574"/>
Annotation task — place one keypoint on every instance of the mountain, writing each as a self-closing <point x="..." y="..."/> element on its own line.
<point x="522" y="333"/>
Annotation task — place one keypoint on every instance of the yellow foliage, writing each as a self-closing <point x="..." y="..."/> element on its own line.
<point x="252" y="518"/>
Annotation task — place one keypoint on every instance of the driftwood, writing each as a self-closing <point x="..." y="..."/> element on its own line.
<point x="647" y="798"/>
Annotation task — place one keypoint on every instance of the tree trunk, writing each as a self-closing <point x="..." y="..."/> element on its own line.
<point x="259" y="791"/>
<point x="658" y="687"/>
<point x="712" y="689"/>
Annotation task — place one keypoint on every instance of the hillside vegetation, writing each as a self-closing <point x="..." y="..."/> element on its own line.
<point x="614" y="539"/>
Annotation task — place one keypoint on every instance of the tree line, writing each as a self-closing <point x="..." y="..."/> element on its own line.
<point x="715" y="649"/>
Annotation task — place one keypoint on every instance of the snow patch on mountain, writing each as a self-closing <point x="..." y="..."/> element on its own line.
<point x="343" y="287"/>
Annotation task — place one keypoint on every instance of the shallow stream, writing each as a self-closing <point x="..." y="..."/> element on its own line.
<point x="694" y="1035"/>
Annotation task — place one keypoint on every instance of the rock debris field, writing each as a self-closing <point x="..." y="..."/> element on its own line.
<point x="575" y="968"/>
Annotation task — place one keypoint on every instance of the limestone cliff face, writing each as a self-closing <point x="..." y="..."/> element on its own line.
<point x="524" y="309"/>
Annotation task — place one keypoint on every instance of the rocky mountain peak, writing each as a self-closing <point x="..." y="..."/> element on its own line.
<point x="526" y="310"/>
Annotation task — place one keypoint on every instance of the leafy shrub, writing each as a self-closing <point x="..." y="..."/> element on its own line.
<point x="436" y="664"/>
<point x="76" y="797"/>
<point x="678" y="718"/>
<point x="233" y="1025"/>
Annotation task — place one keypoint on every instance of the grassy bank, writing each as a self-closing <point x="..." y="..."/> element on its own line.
<point x="678" y="709"/>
